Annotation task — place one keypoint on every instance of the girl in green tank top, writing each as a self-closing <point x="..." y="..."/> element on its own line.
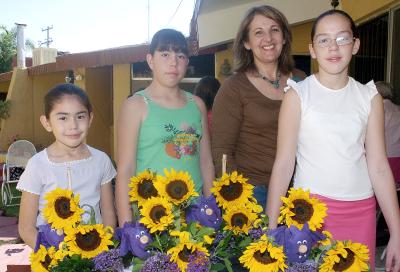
<point x="163" y="127"/>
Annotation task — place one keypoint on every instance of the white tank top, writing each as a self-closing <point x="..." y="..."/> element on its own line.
<point x="330" y="153"/>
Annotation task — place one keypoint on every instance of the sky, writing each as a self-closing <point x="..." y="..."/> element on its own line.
<point x="90" y="25"/>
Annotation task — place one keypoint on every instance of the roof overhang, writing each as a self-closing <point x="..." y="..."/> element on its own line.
<point x="218" y="20"/>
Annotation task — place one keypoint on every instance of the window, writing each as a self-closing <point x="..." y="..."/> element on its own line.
<point x="371" y="60"/>
<point x="395" y="69"/>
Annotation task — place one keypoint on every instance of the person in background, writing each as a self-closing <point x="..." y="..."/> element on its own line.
<point x="68" y="163"/>
<point x="246" y="108"/>
<point x="162" y="126"/>
<point x="392" y="128"/>
<point x="332" y="128"/>
<point x="206" y="89"/>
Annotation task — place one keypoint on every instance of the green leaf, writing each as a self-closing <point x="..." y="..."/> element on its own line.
<point x="228" y="265"/>
<point x="217" y="267"/>
<point x="205" y="231"/>
<point x="244" y="243"/>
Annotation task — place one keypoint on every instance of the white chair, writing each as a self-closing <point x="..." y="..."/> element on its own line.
<point x="17" y="157"/>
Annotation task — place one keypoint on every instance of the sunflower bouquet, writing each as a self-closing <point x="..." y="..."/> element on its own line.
<point x="69" y="243"/>
<point x="306" y="246"/>
<point x="165" y="235"/>
<point x="175" y="227"/>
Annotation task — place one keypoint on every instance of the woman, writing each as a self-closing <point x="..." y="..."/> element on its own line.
<point x="392" y="128"/>
<point x="246" y="108"/>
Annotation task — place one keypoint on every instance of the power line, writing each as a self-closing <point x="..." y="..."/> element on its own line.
<point x="177" y="8"/>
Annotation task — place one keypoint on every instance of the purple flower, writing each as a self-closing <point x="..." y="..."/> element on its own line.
<point x="134" y="238"/>
<point x="108" y="261"/>
<point x="206" y="212"/>
<point x="198" y="262"/>
<point x="255" y="234"/>
<point x="159" y="262"/>
<point x="47" y="237"/>
<point x="307" y="266"/>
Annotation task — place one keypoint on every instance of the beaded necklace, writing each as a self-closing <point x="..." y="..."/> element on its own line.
<point x="275" y="83"/>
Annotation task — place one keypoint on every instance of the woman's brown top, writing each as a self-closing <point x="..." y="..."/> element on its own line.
<point x="245" y="127"/>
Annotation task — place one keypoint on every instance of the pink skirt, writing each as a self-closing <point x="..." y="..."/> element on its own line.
<point x="352" y="220"/>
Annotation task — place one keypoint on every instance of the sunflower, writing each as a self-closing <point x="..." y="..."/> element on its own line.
<point x="346" y="257"/>
<point x="157" y="214"/>
<point x="240" y="218"/>
<point x="328" y="240"/>
<point x="43" y="259"/>
<point x="181" y="252"/>
<point x="263" y="256"/>
<point x="143" y="186"/>
<point x="62" y="209"/>
<point x="298" y="208"/>
<point x="88" y="240"/>
<point x="177" y="187"/>
<point x="231" y="190"/>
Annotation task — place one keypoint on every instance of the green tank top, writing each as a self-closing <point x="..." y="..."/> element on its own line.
<point x="170" y="138"/>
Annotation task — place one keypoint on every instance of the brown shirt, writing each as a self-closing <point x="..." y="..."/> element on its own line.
<point x="245" y="126"/>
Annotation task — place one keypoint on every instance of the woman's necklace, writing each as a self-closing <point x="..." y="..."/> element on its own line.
<point x="274" y="83"/>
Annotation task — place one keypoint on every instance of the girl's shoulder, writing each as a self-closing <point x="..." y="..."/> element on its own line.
<point x="98" y="154"/>
<point x="368" y="90"/>
<point x="39" y="159"/>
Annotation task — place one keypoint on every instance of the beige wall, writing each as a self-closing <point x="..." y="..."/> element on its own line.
<point x="122" y="87"/>
<point x="4" y="86"/>
<point x="99" y="89"/>
<point x="40" y="86"/>
<point x="20" y="121"/>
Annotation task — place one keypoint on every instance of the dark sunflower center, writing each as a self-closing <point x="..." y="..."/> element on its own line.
<point x="157" y="212"/>
<point x="146" y="189"/>
<point x="177" y="189"/>
<point x="303" y="211"/>
<point x="62" y="207"/>
<point x="184" y="254"/>
<point x="264" y="257"/>
<point x="232" y="191"/>
<point x="46" y="262"/>
<point x="88" y="241"/>
<point x="344" y="263"/>
<point x="239" y="220"/>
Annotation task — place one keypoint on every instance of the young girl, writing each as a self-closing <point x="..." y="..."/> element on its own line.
<point x="163" y="126"/>
<point x="335" y="125"/>
<point x="68" y="163"/>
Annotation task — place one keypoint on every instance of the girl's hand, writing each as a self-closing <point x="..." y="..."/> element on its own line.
<point x="393" y="254"/>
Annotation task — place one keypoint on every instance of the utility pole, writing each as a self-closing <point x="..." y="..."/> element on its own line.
<point x="148" y="21"/>
<point x="48" y="39"/>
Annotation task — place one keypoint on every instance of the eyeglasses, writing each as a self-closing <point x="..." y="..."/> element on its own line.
<point x="325" y="41"/>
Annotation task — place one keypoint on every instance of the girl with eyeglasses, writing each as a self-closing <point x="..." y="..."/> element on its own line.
<point x="331" y="128"/>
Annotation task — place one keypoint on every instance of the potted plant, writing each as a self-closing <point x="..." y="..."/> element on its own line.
<point x="5" y="109"/>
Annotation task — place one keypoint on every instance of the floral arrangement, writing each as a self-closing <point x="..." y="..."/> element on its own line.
<point x="68" y="243"/>
<point x="176" y="230"/>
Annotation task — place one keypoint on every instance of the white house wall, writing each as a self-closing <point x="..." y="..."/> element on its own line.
<point x="216" y="27"/>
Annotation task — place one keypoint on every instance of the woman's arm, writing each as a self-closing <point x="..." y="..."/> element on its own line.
<point x="129" y="120"/>
<point x="282" y="171"/>
<point x="107" y="205"/>
<point x="206" y="163"/>
<point x="227" y="116"/>
<point x="382" y="181"/>
<point x="28" y="212"/>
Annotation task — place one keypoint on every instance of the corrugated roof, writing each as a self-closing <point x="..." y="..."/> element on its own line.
<point x="105" y="57"/>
